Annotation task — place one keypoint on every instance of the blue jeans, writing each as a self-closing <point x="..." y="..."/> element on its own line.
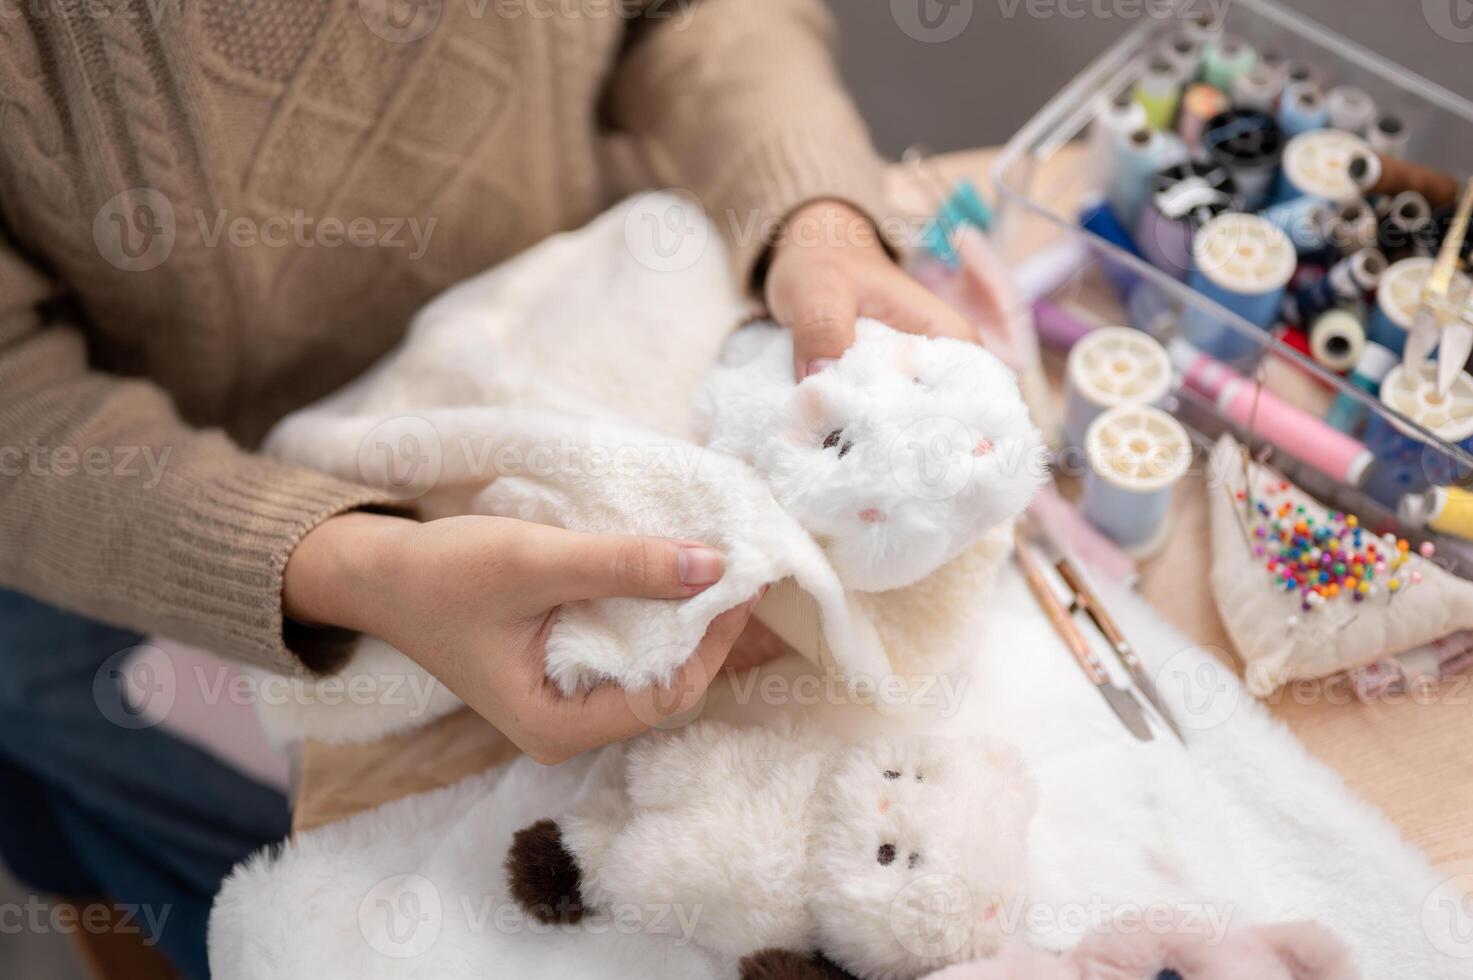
<point x="96" y="808"/>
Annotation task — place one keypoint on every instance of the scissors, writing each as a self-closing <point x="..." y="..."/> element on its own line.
<point x="1438" y="323"/>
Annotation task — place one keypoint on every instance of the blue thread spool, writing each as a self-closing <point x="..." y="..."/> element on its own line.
<point x="1108" y="367"/>
<point x="1144" y="152"/>
<point x="1102" y="220"/>
<point x="1249" y="144"/>
<point x="1397" y="297"/>
<point x="1306" y="220"/>
<point x="1318" y="164"/>
<point x="1302" y="109"/>
<point x="1137" y="455"/>
<point x="1183" y="199"/>
<point x="1243" y="263"/>
<point x="1348" y="414"/>
<point x="1347" y="283"/>
<point x="1405" y="463"/>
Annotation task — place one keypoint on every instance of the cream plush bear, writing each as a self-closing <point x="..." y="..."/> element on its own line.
<point x="894" y="856"/>
<point x="896" y="459"/>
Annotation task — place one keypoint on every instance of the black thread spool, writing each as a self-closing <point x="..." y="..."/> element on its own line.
<point x="1249" y="144"/>
<point x="1183" y="198"/>
<point x="1408" y="230"/>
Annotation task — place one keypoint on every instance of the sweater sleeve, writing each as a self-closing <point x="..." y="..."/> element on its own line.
<point x="739" y="101"/>
<point x="110" y="506"/>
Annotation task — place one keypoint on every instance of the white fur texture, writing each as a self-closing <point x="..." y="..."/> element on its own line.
<point x="786" y="837"/>
<point x="897" y="459"/>
<point x="1244" y="827"/>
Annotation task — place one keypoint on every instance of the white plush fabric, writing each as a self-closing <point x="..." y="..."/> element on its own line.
<point x="897" y="459"/>
<point x="1243" y="828"/>
<point x="1277" y="640"/>
<point x="786" y="837"/>
<point x="559" y="387"/>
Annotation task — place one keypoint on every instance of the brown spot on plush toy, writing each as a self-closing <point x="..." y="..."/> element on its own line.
<point x="783" y="964"/>
<point x="543" y="875"/>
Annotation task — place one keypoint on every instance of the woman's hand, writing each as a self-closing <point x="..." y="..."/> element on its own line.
<point x="471" y="600"/>
<point x="829" y="268"/>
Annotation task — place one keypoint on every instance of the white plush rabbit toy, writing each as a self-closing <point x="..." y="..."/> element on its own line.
<point x="892" y="857"/>
<point x="896" y="459"/>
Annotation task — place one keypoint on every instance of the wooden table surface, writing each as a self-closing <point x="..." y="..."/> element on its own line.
<point x="1412" y="759"/>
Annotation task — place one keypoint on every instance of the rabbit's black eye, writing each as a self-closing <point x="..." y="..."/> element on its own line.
<point x="832" y="439"/>
<point x="891" y="774"/>
<point x="913" y="861"/>
<point x="920" y="777"/>
<point x="844" y="449"/>
<point x="886" y="853"/>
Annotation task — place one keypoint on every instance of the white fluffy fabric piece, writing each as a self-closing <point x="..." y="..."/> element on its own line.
<point x="898" y="458"/>
<point x="1280" y="642"/>
<point x="1242" y="828"/>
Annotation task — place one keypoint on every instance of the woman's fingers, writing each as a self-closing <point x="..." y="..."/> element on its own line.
<point x="820" y="306"/>
<point x="610" y="713"/>
<point x="563" y="566"/>
<point x="896" y="299"/>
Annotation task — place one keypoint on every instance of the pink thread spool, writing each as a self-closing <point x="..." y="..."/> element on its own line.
<point x="1297" y="432"/>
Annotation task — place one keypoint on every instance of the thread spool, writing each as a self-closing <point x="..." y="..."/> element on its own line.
<point x="1348" y="282"/>
<point x="1396" y="176"/>
<point x="1405" y="461"/>
<point x="1159" y="93"/>
<point x="1353" y="228"/>
<point x="1199" y="104"/>
<point x="1347" y="414"/>
<point x="1249" y="144"/>
<point x="1185" y="54"/>
<point x="1446" y="510"/>
<point x="1144" y="152"/>
<point x="1269" y="417"/>
<point x="1351" y="109"/>
<point x="1306" y="220"/>
<point x="1112" y="366"/>
<point x="1224" y="58"/>
<point x="1059" y="326"/>
<point x="1183" y="199"/>
<point x="1399" y="294"/>
<point x="1337" y="340"/>
<point x="1243" y="263"/>
<point x="1258" y="88"/>
<point x="1102" y="220"/>
<point x="1115" y="119"/>
<point x="1318" y="163"/>
<point x="1407" y="230"/>
<point x="1390" y="135"/>
<point x="1302" y="109"/>
<point x="1137" y="455"/>
<point x="1300" y="73"/>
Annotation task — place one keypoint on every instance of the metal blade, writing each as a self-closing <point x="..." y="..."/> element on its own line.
<point x="1147" y="688"/>
<point x="1457" y="344"/>
<point x="1128" y="710"/>
<point x="1422" y="338"/>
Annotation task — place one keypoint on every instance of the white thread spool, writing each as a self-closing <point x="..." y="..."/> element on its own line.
<point x="1114" y="120"/>
<point x="1317" y="163"/>
<point x="1351" y="109"/>
<point x="1337" y="340"/>
<point x="1258" y="88"/>
<point x="1137" y="455"/>
<point x="1109" y="367"/>
<point x="1390" y="135"/>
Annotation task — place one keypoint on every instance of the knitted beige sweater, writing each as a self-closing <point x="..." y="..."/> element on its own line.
<point x="217" y="211"/>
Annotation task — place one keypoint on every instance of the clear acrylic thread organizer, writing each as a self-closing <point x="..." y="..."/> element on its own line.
<point x="1037" y="210"/>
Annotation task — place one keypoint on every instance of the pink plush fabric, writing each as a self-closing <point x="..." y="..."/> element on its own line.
<point x="1292" y="951"/>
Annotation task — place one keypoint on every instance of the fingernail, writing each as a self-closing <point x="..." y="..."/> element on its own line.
<point x="699" y="566"/>
<point x="818" y="365"/>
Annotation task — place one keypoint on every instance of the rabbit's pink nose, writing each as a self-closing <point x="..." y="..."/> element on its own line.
<point x="884" y="806"/>
<point x="983" y="447"/>
<point x="872" y="515"/>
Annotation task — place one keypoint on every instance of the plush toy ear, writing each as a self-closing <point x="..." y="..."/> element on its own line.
<point x="783" y="964"/>
<point x="543" y="874"/>
<point x="1309" y="951"/>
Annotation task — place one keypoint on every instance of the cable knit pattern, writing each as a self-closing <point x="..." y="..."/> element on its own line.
<point x="214" y="212"/>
